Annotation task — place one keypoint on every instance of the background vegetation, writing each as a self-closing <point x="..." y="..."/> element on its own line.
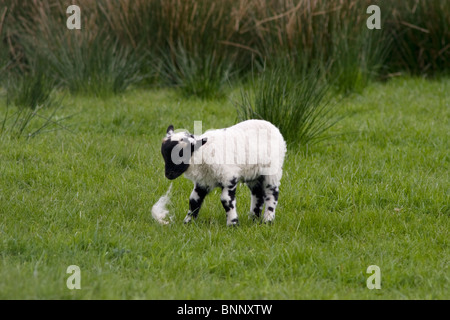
<point x="161" y="41"/>
<point x="202" y="47"/>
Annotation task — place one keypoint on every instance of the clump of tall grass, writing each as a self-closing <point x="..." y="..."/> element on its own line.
<point x="197" y="74"/>
<point x="32" y="89"/>
<point x="298" y="104"/>
<point x="87" y="61"/>
<point x="357" y="58"/>
<point x="421" y="33"/>
<point x="100" y="66"/>
<point x="24" y="120"/>
<point x="31" y="104"/>
<point x="184" y="39"/>
<point x="18" y="122"/>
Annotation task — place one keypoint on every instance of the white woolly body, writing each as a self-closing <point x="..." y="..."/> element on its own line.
<point x="252" y="151"/>
<point x="244" y="151"/>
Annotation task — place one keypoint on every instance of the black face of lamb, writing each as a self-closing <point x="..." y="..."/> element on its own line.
<point x="172" y="170"/>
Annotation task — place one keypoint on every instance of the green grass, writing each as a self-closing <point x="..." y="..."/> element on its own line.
<point x="376" y="194"/>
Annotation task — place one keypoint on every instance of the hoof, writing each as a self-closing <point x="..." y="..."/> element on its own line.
<point x="187" y="219"/>
<point x="233" y="223"/>
<point x="269" y="217"/>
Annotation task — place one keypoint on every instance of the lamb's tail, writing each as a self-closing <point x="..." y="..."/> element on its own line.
<point x="159" y="210"/>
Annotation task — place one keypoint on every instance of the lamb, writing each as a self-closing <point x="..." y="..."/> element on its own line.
<point x="252" y="152"/>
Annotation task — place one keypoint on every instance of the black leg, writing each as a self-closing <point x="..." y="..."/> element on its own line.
<point x="258" y="194"/>
<point x="228" y="199"/>
<point x="271" y="201"/>
<point x="195" y="202"/>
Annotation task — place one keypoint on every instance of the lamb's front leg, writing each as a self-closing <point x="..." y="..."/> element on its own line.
<point x="228" y="199"/>
<point x="195" y="202"/>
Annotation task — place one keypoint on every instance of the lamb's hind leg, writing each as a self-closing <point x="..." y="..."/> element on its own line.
<point x="228" y="199"/>
<point x="257" y="202"/>
<point x="271" y="201"/>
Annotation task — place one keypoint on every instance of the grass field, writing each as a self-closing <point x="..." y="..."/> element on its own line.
<point x="377" y="193"/>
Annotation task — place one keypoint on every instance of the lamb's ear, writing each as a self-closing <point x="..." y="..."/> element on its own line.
<point x="169" y="130"/>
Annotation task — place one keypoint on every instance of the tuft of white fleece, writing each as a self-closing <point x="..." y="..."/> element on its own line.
<point x="159" y="210"/>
